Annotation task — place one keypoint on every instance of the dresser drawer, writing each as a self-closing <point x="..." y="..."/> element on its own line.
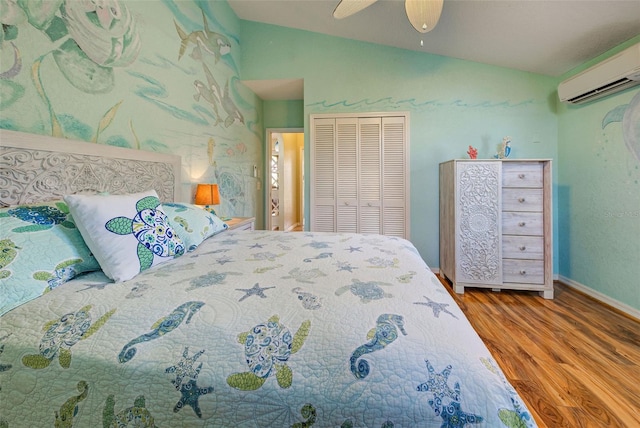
<point x="518" y="199"/>
<point x="525" y="271"/>
<point x="522" y="223"/>
<point x="523" y="247"/>
<point x="521" y="174"/>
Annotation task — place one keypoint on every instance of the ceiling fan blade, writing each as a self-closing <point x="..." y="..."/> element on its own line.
<point x="348" y="7"/>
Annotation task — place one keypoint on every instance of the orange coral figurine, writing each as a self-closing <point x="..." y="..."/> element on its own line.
<point x="472" y="152"/>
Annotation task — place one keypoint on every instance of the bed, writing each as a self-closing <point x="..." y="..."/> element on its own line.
<point x="234" y="328"/>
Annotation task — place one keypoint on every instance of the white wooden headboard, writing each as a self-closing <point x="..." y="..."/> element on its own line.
<point x="36" y="168"/>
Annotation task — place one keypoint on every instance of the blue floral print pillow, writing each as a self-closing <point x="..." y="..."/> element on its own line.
<point x="193" y="223"/>
<point x="40" y="249"/>
<point x="126" y="233"/>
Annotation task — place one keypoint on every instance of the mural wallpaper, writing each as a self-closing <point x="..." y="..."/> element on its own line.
<point x="156" y="76"/>
<point x="629" y="116"/>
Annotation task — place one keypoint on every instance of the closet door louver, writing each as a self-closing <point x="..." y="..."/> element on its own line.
<point x="323" y="215"/>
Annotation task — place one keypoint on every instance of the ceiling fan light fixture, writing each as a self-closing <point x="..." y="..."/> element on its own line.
<point x="423" y="14"/>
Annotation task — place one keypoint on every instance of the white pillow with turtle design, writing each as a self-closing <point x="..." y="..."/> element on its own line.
<point x="126" y="233"/>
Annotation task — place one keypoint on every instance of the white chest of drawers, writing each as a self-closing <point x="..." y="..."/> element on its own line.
<point x="496" y="224"/>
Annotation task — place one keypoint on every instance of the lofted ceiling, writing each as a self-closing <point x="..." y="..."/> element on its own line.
<point x="549" y="37"/>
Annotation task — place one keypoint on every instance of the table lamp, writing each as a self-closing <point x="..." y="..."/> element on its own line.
<point x="207" y="195"/>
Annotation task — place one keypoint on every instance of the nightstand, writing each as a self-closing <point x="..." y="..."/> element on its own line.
<point x="241" y="223"/>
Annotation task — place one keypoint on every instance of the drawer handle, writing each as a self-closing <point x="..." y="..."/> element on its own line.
<point x="521" y="200"/>
<point x="522" y="248"/>
<point x="346" y="203"/>
<point x="523" y="272"/>
<point x="521" y="176"/>
<point x="369" y="204"/>
<point x="522" y="224"/>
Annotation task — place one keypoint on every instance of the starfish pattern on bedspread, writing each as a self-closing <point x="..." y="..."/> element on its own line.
<point x="256" y="290"/>
<point x="185" y="368"/>
<point x="437" y="385"/>
<point x="191" y="392"/>
<point x="437" y="307"/>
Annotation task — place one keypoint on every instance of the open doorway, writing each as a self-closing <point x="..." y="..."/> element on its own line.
<point x="284" y="192"/>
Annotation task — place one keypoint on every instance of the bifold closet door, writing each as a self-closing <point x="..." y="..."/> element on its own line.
<point x="360" y="175"/>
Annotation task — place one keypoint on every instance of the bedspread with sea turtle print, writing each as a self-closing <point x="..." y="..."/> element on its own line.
<point x="255" y="329"/>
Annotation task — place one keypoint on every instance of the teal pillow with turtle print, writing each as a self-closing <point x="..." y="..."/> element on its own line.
<point x="193" y="223"/>
<point x="126" y="233"/>
<point x="40" y="249"/>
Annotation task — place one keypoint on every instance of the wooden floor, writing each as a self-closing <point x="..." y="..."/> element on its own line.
<point x="574" y="361"/>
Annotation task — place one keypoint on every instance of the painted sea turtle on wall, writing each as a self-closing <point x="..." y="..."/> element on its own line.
<point x="151" y="228"/>
<point x="267" y="348"/>
<point x="7" y="254"/>
<point x="42" y="217"/>
<point x="61" y="334"/>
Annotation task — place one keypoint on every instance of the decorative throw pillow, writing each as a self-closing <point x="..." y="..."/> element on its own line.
<point x="40" y="249"/>
<point x="193" y="223"/>
<point x="126" y="233"/>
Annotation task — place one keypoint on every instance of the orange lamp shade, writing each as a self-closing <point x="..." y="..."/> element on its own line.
<point x="207" y="194"/>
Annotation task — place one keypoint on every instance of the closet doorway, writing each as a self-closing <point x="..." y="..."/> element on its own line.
<point x="284" y="189"/>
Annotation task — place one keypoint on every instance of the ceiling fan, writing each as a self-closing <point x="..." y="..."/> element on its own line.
<point x="423" y="14"/>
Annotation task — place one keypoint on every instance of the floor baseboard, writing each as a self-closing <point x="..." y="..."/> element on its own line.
<point x="626" y="309"/>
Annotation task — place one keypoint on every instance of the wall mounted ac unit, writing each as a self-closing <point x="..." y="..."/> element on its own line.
<point x="614" y="74"/>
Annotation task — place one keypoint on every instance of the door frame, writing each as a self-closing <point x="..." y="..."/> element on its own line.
<point x="267" y="168"/>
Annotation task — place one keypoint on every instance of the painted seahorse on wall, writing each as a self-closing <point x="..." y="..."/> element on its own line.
<point x="161" y="327"/>
<point x="385" y="332"/>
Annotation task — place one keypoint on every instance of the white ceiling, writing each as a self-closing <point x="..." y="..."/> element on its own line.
<point x="549" y="37"/>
